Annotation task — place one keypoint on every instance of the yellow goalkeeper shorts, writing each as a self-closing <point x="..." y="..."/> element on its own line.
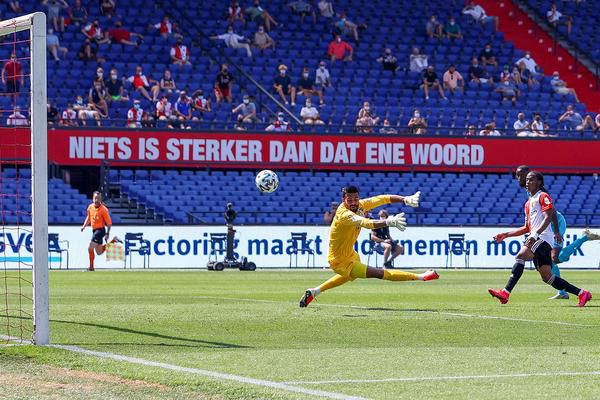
<point x="351" y="269"/>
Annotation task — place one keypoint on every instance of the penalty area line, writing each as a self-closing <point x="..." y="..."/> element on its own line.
<point x="208" y="373"/>
<point x="446" y="378"/>
<point x="447" y="313"/>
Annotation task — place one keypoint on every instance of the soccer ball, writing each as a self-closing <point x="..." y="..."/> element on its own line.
<point x="267" y="181"/>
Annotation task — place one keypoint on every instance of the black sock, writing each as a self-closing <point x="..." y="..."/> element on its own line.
<point x="561" y="284"/>
<point x="517" y="271"/>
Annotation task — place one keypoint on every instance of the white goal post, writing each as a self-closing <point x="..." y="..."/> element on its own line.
<point x="36" y="25"/>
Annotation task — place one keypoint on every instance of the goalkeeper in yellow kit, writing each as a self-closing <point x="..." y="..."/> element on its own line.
<point x="345" y="228"/>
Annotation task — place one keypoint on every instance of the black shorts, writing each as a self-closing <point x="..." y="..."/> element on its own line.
<point x="98" y="235"/>
<point x="542" y="252"/>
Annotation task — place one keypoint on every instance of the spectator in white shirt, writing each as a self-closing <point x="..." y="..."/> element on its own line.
<point x="16" y="118"/>
<point x="560" y="87"/>
<point x="326" y="8"/>
<point x="478" y="14"/>
<point x="418" y="62"/>
<point x="322" y="77"/>
<point x="489" y="130"/>
<point x="234" y="41"/>
<point x="521" y="125"/>
<point x="537" y="126"/>
<point x="555" y="18"/>
<point x="529" y="63"/>
<point x="310" y="114"/>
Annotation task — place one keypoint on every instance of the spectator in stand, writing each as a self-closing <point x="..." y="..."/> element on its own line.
<point x="114" y="87"/>
<point x="260" y="16"/>
<point x="164" y="111"/>
<point x="366" y="119"/>
<point x="279" y="124"/>
<point x="521" y="125"/>
<point x="390" y="63"/>
<point x="434" y="28"/>
<point x="471" y="131"/>
<point x="417" y="61"/>
<point x="235" y="13"/>
<point x="166" y="28"/>
<point x="107" y="8"/>
<point x="488" y="56"/>
<point x="16" y="118"/>
<point x="234" y="40"/>
<point x="54" y="14"/>
<point x="69" y="116"/>
<point x="505" y="74"/>
<point x="538" y="128"/>
<point x="53" y="45"/>
<point x="143" y="84"/>
<point x="84" y="111"/>
<point x="310" y="114"/>
<point x="96" y="99"/>
<point x="574" y="120"/>
<point x="94" y="32"/>
<point x="135" y="115"/>
<point x="201" y="103"/>
<point x="453" y="79"/>
<point x="453" y="30"/>
<point x="120" y="35"/>
<point x="282" y="85"/>
<point x="479" y="74"/>
<point x="431" y="81"/>
<point x="529" y="63"/>
<point x="556" y="18"/>
<point x="597" y="121"/>
<point x="180" y="54"/>
<point x="224" y="85"/>
<point x="99" y="77"/>
<point x="246" y="113"/>
<point x="167" y="83"/>
<point x="15" y="6"/>
<point x="78" y="14"/>
<point x="89" y="52"/>
<point x="560" y="87"/>
<point x="508" y="91"/>
<point x="387" y="127"/>
<point x="52" y="114"/>
<point x="329" y="215"/>
<point x="515" y="76"/>
<point x="322" y="78"/>
<point x="262" y="40"/>
<point x="326" y="8"/>
<point x="478" y="14"/>
<point x="339" y="50"/>
<point x="12" y="74"/>
<point x="306" y="86"/>
<point x="489" y="130"/>
<point x="302" y="8"/>
<point x="346" y="27"/>
<point x="417" y="124"/>
<point x="183" y="110"/>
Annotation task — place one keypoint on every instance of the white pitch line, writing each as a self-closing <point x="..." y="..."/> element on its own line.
<point x="18" y="340"/>
<point x="210" y="374"/>
<point x="452" y="314"/>
<point x="444" y="378"/>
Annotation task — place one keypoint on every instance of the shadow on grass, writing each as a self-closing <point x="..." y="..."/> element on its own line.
<point x="197" y="342"/>
<point x="425" y="310"/>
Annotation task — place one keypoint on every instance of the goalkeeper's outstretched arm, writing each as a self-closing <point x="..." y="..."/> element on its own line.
<point x="411" y="201"/>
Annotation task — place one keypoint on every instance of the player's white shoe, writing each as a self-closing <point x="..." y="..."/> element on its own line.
<point x="559" y="296"/>
<point x="591" y="235"/>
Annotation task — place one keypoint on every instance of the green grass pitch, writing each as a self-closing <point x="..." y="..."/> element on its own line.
<point x="445" y="339"/>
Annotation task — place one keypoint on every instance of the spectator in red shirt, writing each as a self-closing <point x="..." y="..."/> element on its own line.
<point x="94" y="32"/>
<point x="12" y="74"/>
<point x="166" y="28"/>
<point x="235" y="13"/>
<point x="120" y="35"/>
<point x="180" y="54"/>
<point x="339" y="50"/>
<point x="143" y="84"/>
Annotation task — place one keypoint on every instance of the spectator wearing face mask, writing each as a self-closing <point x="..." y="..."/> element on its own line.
<point x="282" y="85"/>
<point x="453" y="30"/>
<point x="183" y="110"/>
<point x="246" y="113"/>
<point x="508" y="91"/>
<point x="489" y="130"/>
<point x="529" y="63"/>
<point x="306" y="86"/>
<point x="135" y="115"/>
<point x="234" y="41"/>
<point x="431" y="81"/>
<point x="69" y="117"/>
<point x="322" y="77"/>
<point x="84" y="111"/>
<point x="310" y="114"/>
<point x="114" y="87"/>
<point x="433" y="28"/>
<point x="180" y="54"/>
<point x="339" y="50"/>
<point x="96" y="98"/>
<point x="453" y="79"/>
<point x="560" y="87"/>
<point x="417" y="61"/>
<point x="387" y="127"/>
<point x="366" y="119"/>
<point x="417" y="124"/>
<point x="142" y="84"/>
<point x="94" y="32"/>
<point x="279" y="125"/>
<point x="262" y="40"/>
<point x="538" y="128"/>
<point x="522" y="126"/>
<point x="224" y="85"/>
<point x="201" y="103"/>
<point x="390" y="63"/>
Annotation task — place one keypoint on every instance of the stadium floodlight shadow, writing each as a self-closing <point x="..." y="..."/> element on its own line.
<point x="198" y="342"/>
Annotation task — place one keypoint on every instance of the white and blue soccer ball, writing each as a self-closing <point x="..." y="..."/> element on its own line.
<point x="267" y="181"/>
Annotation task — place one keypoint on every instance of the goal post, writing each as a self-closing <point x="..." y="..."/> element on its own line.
<point x="35" y="25"/>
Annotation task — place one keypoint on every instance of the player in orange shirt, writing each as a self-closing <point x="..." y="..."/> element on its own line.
<point x="99" y="219"/>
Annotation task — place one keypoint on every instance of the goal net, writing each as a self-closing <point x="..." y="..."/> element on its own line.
<point x="23" y="181"/>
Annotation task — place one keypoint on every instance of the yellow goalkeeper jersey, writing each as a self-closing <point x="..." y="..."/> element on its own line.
<point x="345" y="229"/>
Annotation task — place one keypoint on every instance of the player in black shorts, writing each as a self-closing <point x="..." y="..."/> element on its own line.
<point x="391" y="248"/>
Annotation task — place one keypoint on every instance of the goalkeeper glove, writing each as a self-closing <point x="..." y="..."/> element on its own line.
<point x="396" y="221"/>
<point x="413" y="201"/>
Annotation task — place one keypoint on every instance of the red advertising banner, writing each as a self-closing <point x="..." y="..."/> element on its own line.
<point x="288" y="150"/>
